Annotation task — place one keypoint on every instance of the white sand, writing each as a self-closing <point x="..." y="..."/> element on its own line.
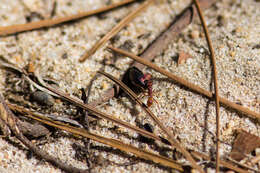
<point x="182" y="111"/>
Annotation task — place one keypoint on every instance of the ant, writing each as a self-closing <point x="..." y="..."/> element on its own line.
<point x="138" y="82"/>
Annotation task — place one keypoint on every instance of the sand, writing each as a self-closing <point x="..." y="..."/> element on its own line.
<point x="234" y="28"/>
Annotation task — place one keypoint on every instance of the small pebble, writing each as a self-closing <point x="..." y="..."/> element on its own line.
<point x="202" y="50"/>
<point x="239" y="29"/>
<point x="148" y="127"/>
<point x="195" y="34"/>
<point x="104" y="85"/>
<point x="232" y="53"/>
<point x="31" y="67"/>
<point x="6" y="155"/>
<point x="42" y="98"/>
<point x="222" y="20"/>
<point x="64" y="56"/>
<point x="183" y="56"/>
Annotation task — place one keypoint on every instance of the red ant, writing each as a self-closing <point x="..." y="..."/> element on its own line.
<point x="138" y="82"/>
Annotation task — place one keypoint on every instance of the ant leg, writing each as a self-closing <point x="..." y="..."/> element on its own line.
<point x="140" y="96"/>
<point x="146" y="94"/>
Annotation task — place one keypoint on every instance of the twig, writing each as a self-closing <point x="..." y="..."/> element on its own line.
<point x="222" y="162"/>
<point x="115" y="30"/>
<point x="100" y="114"/>
<point x="187" y="84"/>
<point x="111" y="142"/>
<point x="161" y="42"/>
<point x="242" y="165"/>
<point x="11" y="66"/>
<point x="167" y="36"/>
<point x="10" y="120"/>
<point x="155" y="119"/>
<point x="79" y="103"/>
<point x="7" y="30"/>
<point x="86" y="100"/>
<point x="31" y="129"/>
<point x="215" y="80"/>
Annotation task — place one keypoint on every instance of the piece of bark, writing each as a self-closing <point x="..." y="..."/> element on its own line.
<point x="32" y="130"/>
<point x="176" y="27"/>
<point x="9" y="119"/>
<point x="161" y="42"/>
<point x="183" y="56"/>
<point x="244" y="144"/>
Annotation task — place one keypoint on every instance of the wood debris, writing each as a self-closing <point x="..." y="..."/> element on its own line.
<point x="183" y="56"/>
<point x="244" y="144"/>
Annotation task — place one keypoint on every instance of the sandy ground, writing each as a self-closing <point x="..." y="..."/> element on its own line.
<point x="234" y="27"/>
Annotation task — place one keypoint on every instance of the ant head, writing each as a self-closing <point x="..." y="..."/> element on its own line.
<point x="147" y="77"/>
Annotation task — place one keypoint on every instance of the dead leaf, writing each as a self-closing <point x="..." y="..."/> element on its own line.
<point x="244" y="144"/>
<point x="183" y="56"/>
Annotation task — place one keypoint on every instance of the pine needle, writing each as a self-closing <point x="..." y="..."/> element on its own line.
<point x="115" y="30"/>
<point x="7" y="30"/>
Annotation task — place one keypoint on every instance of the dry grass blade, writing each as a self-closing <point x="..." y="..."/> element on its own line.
<point x="7" y="30"/>
<point x="166" y="37"/>
<point x="10" y="120"/>
<point x="164" y="129"/>
<point x="244" y="144"/>
<point x="242" y="165"/>
<point x="99" y="114"/>
<point x="110" y="118"/>
<point x="111" y="142"/>
<point x="213" y="60"/>
<point x="27" y="111"/>
<point x="161" y="42"/>
<point x="79" y="103"/>
<point x="11" y="66"/>
<point x="115" y="30"/>
<point x="223" y="163"/>
<point x="187" y="84"/>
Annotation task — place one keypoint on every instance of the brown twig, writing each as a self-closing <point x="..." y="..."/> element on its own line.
<point x="213" y="60"/>
<point x="187" y="84"/>
<point x="9" y="65"/>
<point x="167" y="36"/>
<point x="111" y="142"/>
<point x="7" y="30"/>
<point x="155" y="119"/>
<point x="242" y="165"/>
<point x="222" y="162"/>
<point x="101" y="114"/>
<point x="75" y="131"/>
<point x="80" y="104"/>
<point x="10" y="120"/>
<point x="161" y="42"/>
<point x="115" y="30"/>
